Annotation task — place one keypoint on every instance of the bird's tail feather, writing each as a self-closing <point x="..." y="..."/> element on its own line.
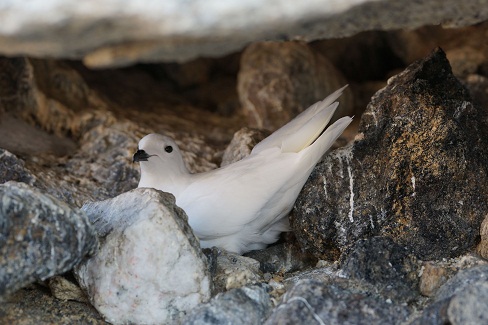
<point x="314" y="152"/>
<point x="292" y="127"/>
<point x="309" y="131"/>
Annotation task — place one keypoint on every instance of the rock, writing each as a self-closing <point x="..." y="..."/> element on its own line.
<point x="433" y="274"/>
<point x="465" y="57"/>
<point x="478" y="88"/>
<point x="465" y="278"/>
<point x="235" y="271"/>
<point x="284" y="257"/>
<point x="362" y="58"/>
<point x="13" y="169"/>
<point x="64" y="289"/>
<point x="384" y="264"/>
<point x="461" y="300"/>
<point x="247" y="305"/>
<point x="278" y="80"/>
<point x="40" y="236"/>
<point x="149" y="268"/>
<point x="115" y="33"/>
<point x="482" y="248"/>
<point x="469" y="306"/>
<point x="53" y="96"/>
<point x="313" y="302"/>
<point x="35" y="306"/>
<point x="241" y="145"/>
<point x="416" y="172"/>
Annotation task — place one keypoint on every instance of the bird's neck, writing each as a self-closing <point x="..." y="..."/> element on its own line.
<point x="171" y="180"/>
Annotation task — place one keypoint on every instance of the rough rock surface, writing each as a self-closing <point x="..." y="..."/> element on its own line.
<point x="40" y="236"/>
<point x="433" y="274"/>
<point x="247" y="305"/>
<point x="235" y="271"/>
<point x="416" y="172"/>
<point x="278" y="80"/>
<point x="461" y="300"/>
<point x="13" y="169"/>
<point x="241" y="145"/>
<point x="384" y="264"/>
<point x="482" y="248"/>
<point x="284" y="257"/>
<point x="313" y="302"/>
<point x="149" y="268"/>
<point x="118" y="32"/>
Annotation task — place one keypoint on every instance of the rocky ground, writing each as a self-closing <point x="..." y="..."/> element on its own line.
<point x="391" y="227"/>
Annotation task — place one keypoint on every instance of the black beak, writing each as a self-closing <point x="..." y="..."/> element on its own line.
<point x="140" y="155"/>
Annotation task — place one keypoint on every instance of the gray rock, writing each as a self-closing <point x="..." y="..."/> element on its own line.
<point x="284" y="257"/>
<point x="461" y="300"/>
<point x="416" y="172"/>
<point x="149" y="268"/>
<point x="39" y="236"/>
<point x="471" y="277"/>
<point x="433" y="274"/>
<point x="13" y="169"/>
<point x="384" y="264"/>
<point x="241" y="145"/>
<point x="278" y="80"/>
<point x="235" y="271"/>
<point x="247" y="305"/>
<point x="118" y="32"/>
<point x="314" y="302"/>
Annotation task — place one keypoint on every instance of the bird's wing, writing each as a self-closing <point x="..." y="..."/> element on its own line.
<point x="226" y="200"/>
<point x="276" y="139"/>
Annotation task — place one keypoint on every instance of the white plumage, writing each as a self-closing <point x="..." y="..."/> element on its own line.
<point x="244" y="206"/>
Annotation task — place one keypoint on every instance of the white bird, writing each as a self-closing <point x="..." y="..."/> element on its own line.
<point x="244" y="206"/>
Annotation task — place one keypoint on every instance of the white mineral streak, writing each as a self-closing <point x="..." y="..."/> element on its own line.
<point x="149" y="269"/>
<point x="413" y="184"/>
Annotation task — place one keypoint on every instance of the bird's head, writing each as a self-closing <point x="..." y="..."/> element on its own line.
<point x="159" y="157"/>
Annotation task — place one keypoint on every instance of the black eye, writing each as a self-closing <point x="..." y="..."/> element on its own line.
<point x="168" y="148"/>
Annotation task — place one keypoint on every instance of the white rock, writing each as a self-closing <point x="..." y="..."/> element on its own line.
<point x="149" y="269"/>
<point x="121" y="32"/>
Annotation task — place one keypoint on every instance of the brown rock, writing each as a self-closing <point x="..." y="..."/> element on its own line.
<point x="36" y="306"/>
<point x="433" y="276"/>
<point x="278" y="80"/>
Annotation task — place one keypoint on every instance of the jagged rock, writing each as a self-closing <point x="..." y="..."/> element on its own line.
<point x="314" y="302"/>
<point x="416" y="172"/>
<point x="111" y="33"/>
<point x="278" y="80"/>
<point x="149" y="268"/>
<point x="40" y="236"/>
<point x="13" y="169"/>
<point x="247" y="305"/>
<point x="384" y="264"/>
